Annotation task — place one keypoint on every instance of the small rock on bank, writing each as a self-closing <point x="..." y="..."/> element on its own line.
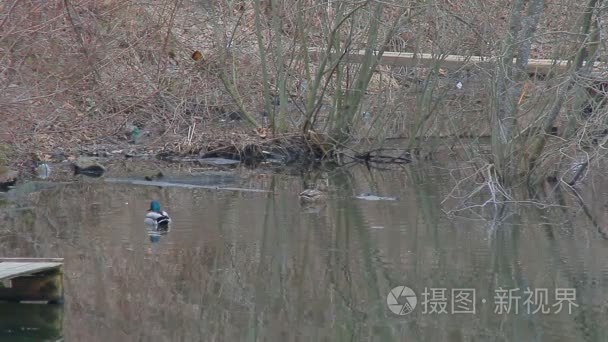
<point x="7" y="178"/>
<point x="88" y="167"/>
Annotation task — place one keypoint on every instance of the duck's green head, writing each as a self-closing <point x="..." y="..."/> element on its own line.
<point x="155" y="206"/>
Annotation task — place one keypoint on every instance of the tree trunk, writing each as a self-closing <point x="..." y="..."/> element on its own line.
<point x="510" y="78"/>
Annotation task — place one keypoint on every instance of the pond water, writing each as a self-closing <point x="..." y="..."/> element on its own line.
<point x="251" y="266"/>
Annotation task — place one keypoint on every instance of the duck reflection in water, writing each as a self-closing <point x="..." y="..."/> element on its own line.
<point x="155" y="233"/>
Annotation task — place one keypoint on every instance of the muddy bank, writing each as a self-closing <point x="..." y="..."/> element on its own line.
<point x="289" y="153"/>
<point x="153" y="162"/>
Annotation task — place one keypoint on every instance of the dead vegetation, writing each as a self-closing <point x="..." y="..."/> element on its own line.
<point x="187" y="77"/>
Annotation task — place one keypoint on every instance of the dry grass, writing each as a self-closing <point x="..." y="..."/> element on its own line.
<point x="78" y="73"/>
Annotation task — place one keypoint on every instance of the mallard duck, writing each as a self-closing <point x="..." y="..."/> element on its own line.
<point x="316" y="194"/>
<point x="312" y="195"/>
<point x="155" y="216"/>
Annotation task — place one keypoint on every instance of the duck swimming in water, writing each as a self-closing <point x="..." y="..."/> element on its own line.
<point x="315" y="195"/>
<point x="155" y="216"/>
<point x="312" y="196"/>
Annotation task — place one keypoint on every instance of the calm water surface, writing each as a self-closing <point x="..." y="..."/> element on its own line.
<point x="259" y="266"/>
